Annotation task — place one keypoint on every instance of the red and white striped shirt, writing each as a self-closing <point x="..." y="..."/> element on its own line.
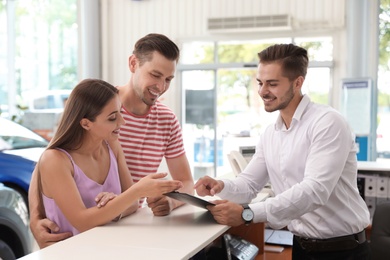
<point x="148" y="138"/>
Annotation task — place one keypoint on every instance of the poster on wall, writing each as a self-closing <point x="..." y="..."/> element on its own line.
<point x="356" y="104"/>
<point x="356" y="107"/>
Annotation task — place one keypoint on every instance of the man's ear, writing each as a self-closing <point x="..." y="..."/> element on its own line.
<point x="132" y="63"/>
<point x="85" y="123"/>
<point x="299" y="82"/>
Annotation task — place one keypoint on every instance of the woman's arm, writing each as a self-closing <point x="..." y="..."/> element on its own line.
<point x="124" y="175"/>
<point x="58" y="184"/>
<point x="42" y="228"/>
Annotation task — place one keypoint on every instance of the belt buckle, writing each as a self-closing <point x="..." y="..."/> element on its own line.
<point x="360" y="237"/>
<point x="307" y="244"/>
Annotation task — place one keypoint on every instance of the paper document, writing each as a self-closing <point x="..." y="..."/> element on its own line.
<point x="278" y="237"/>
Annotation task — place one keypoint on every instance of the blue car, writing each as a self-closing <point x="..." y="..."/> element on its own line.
<point x="20" y="149"/>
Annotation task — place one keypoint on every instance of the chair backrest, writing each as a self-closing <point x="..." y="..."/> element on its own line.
<point x="237" y="162"/>
<point x="380" y="232"/>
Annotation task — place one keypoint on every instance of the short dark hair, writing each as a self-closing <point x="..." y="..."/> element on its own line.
<point x="294" y="59"/>
<point x="145" y="47"/>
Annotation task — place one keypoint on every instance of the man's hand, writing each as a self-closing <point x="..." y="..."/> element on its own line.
<point x="103" y="198"/>
<point x="44" y="233"/>
<point x="227" y="213"/>
<point x="161" y="206"/>
<point x="207" y="186"/>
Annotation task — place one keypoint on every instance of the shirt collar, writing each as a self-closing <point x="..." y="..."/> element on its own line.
<point x="305" y="101"/>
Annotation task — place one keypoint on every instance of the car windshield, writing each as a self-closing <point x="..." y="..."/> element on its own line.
<point x="15" y="136"/>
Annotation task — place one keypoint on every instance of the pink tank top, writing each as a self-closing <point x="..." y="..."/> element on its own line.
<point x="88" y="190"/>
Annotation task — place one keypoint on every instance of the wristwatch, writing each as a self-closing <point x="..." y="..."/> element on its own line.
<point x="247" y="214"/>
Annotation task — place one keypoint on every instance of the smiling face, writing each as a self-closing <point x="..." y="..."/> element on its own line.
<point x="152" y="78"/>
<point x="276" y="90"/>
<point x="107" y="123"/>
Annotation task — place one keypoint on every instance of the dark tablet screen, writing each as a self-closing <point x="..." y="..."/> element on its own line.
<point x="190" y="199"/>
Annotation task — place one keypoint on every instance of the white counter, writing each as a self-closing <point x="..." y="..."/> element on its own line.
<point x="374" y="166"/>
<point x="180" y="235"/>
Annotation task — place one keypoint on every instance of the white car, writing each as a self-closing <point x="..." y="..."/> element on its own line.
<point x="44" y="111"/>
<point x="48" y="101"/>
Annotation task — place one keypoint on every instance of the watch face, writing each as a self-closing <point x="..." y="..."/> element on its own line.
<point x="247" y="215"/>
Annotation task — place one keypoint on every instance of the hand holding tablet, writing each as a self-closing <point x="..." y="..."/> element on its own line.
<point x="190" y="199"/>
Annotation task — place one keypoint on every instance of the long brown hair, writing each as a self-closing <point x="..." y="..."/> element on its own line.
<point x="87" y="100"/>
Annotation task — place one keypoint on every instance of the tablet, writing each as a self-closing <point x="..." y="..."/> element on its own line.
<point x="190" y="199"/>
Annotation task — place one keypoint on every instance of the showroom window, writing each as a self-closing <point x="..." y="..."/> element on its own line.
<point x="221" y="107"/>
<point x="383" y="117"/>
<point x="40" y="50"/>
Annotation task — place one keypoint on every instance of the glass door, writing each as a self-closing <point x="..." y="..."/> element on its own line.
<point x="200" y="121"/>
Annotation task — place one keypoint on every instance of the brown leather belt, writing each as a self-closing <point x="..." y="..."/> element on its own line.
<point x="331" y="244"/>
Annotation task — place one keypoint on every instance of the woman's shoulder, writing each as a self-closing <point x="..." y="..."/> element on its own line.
<point x="49" y="154"/>
<point x="53" y="158"/>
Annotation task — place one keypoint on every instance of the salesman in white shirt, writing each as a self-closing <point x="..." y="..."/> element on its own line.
<point x="309" y="156"/>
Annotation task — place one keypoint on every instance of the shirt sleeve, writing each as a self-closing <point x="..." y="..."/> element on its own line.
<point x="248" y="183"/>
<point x="331" y="142"/>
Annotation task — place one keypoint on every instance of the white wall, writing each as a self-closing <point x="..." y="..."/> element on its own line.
<point x="125" y="21"/>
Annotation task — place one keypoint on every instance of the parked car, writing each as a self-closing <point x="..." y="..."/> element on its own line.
<point x="48" y="101"/>
<point x="15" y="235"/>
<point x="44" y="111"/>
<point x="20" y="149"/>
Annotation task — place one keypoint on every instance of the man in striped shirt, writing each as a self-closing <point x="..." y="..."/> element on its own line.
<point x="152" y="131"/>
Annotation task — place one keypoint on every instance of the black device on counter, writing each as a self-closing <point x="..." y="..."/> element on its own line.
<point x="238" y="248"/>
<point x="190" y="199"/>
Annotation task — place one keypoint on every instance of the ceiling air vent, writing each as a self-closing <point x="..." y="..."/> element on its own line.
<point x="250" y="23"/>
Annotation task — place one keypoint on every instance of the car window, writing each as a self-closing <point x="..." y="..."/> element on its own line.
<point x="15" y="136"/>
<point x="20" y="142"/>
<point x="50" y="101"/>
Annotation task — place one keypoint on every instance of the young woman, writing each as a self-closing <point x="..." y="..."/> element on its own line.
<point x="82" y="175"/>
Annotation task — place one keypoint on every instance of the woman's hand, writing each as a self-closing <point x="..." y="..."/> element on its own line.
<point x="153" y="185"/>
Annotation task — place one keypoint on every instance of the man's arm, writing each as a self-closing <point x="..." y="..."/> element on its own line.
<point x="41" y="227"/>
<point x="179" y="169"/>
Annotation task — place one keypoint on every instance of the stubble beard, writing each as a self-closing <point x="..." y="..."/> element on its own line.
<point x="149" y="103"/>
<point x="286" y="99"/>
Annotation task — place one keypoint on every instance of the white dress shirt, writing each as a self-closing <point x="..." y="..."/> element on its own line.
<point x="312" y="167"/>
